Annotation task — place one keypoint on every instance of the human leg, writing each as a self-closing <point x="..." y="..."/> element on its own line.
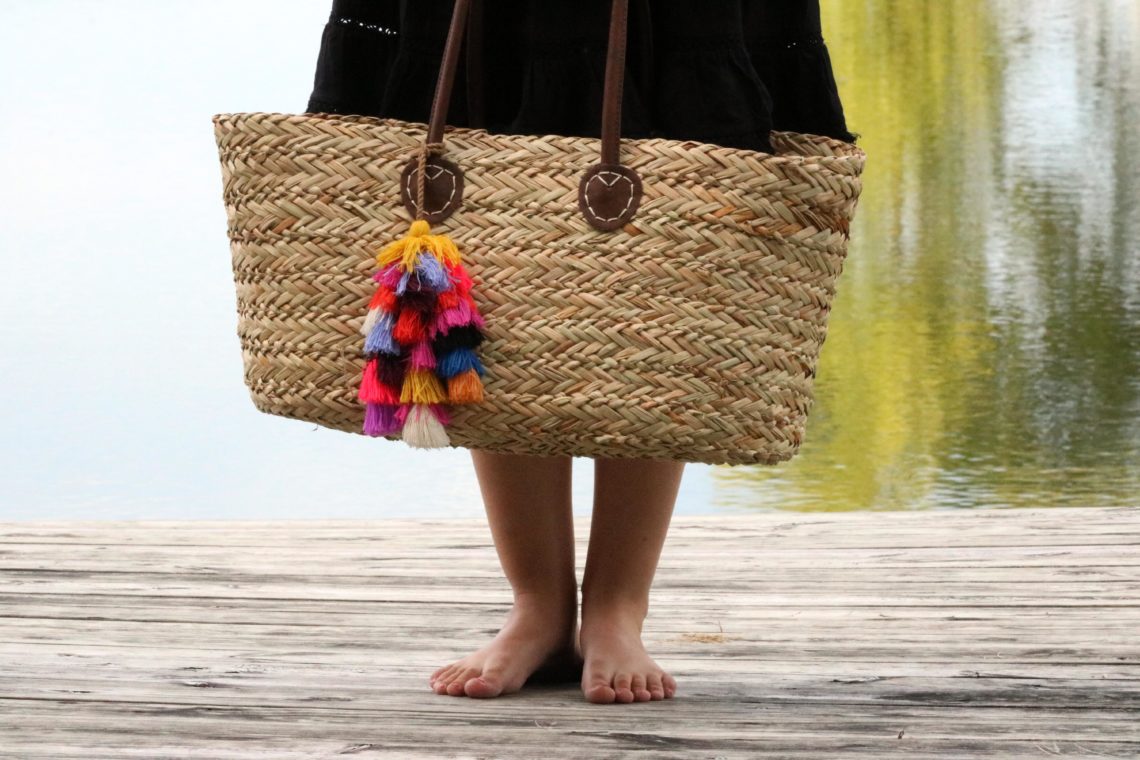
<point x="633" y="504"/>
<point x="528" y="505"/>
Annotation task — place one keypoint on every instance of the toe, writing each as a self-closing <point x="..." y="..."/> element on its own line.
<point x="455" y="688"/>
<point x="621" y="687"/>
<point x="489" y="683"/>
<point x="442" y="673"/>
<point x="637" y="686"/>
<point x="670" y="685"/>
<point x="600" y="693"/>
<point x="653" y="684"/>
<point x="439" y="683"/>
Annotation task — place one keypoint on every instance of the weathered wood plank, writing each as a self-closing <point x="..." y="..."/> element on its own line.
<point x="937" y="634"/>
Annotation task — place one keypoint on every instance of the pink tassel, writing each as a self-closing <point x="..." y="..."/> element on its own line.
<point x="389" y="276"/>
<point x="372" y="391"/>
<point x="422" y="355"/>
<point x="441" y="413"/>
<point x="458" y="316"/>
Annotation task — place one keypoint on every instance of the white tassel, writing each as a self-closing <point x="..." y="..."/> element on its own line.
<point x="422" y="430"/>
<point x="370" y="321"/>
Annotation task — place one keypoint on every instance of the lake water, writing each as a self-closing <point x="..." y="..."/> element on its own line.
<point x="984" y="349"/>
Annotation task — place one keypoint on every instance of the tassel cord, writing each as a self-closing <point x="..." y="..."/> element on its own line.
<point x="429" y="149"/>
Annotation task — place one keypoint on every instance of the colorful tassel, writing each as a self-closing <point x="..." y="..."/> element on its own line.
<point x="421" y="332"/>
<point x="465" y="388"/>
<point x="372" y="390"/>
<point x="449" y="299"/>
<point x="391" y="369"/>
<point x="459" y="360"/>
<point x="389" y="277"/>
<point x="464" y="336"/>
<point x="384" y="298"/>
<point x="461" y="279"/>
<point x="441" y="413"/>
<point x="382" y="419"/>
<point x="381" y="340"/>
<point x="423" y="429"/>
<point x="421" y="386"/>
<point x="410" y="328"/>
<point x="422" y="356"/>
<point x="432" y="274"/>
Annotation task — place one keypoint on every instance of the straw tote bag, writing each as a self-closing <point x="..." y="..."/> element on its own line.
<point x="549" y="295"/>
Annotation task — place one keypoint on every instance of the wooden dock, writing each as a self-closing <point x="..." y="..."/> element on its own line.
<point x="1005" y="634"/>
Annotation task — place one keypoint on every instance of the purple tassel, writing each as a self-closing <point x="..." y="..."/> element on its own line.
<point x="382" y="419"/>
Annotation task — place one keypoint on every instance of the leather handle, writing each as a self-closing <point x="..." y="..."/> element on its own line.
<point x="615" y="79"/>
<point x="609" y="193"/>
<point x="450" y="63"/>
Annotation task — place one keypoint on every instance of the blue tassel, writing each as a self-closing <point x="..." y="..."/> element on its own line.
<point x="454" y="362"/>
<point x="380" y="339"/>
<point x="431" y="272"/>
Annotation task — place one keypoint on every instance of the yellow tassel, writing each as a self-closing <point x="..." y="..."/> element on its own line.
<point x="419" y="238"/>
<point x="465" y="388"/>
<point x="421" y="386"/>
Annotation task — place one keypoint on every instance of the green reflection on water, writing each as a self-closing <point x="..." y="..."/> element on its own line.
<point x="984" y="346"/>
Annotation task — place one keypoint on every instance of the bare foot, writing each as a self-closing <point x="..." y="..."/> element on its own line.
<point x="535" y="640"/>
<point x="617" y="667"/>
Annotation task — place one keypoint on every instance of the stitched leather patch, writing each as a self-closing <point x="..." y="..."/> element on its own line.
<point x="609" y="195"/>
<point x="443" y="192"/>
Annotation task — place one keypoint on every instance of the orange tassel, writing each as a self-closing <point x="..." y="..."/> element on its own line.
<point x="465" y="388"/>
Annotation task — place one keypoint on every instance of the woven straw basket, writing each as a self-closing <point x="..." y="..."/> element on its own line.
<point x="691" y="332"/>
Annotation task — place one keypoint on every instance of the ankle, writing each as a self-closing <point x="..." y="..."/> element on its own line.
<point x="555" y="607"/>
<point x="614" y="614"/>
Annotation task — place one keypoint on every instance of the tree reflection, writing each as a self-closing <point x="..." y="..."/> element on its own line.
<point x="985" y="343"/>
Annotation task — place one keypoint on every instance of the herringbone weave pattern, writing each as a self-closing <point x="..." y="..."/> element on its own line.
<point x="692" y="333"/>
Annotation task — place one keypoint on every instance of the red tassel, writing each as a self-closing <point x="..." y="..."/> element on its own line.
<point x="448" y="299"/>
<point x="410" y="327"/>
<point x="384" y="299"/>
<point x="372" y="391"/>
<point x="462" y="280"/>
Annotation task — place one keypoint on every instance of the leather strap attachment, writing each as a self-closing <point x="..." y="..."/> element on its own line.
<point x="609" y="193"/>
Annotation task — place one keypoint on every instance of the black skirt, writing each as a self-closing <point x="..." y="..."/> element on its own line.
<point x="718" y="71"/>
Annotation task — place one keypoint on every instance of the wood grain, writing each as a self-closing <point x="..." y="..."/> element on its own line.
<point x="935" y="634"/>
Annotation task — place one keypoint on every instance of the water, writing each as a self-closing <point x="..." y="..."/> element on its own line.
<point x="985" y="342"/>
<point x="983" y="350"/>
